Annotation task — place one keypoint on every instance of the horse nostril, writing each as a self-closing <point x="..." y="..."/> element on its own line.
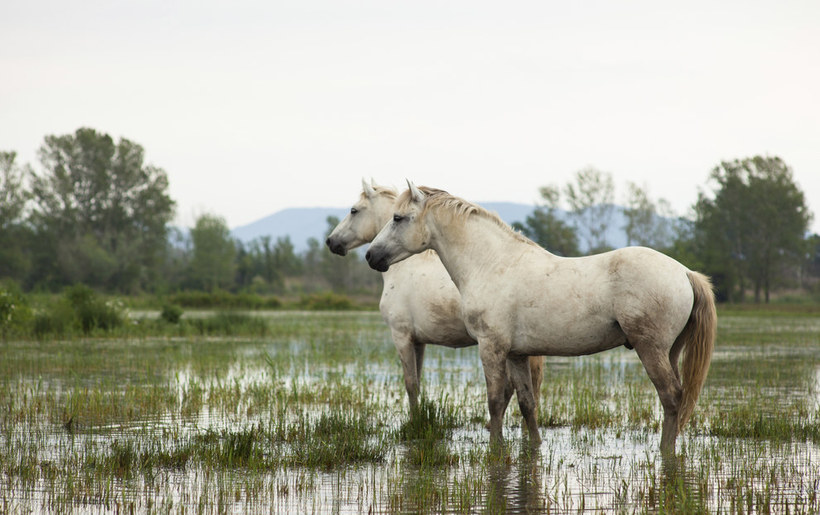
<point x="367" y="256"/>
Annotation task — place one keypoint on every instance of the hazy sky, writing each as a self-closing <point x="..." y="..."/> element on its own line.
<point x="252" y="107"/>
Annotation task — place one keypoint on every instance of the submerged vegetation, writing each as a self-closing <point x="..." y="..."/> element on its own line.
<point x="306" y="411"/>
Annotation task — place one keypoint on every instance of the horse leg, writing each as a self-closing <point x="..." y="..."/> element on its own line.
<point x="494" y="363"/>
<point x="536" y="364"/>
<point x="537" y="376"/>
<point x="521" y="378"/>
<point x="407" y="356"/>
<point x="419" y="349"/>
<point x="508" y="393"/>
<point x="660" y="370"/>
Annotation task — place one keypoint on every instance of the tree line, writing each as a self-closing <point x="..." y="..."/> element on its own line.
<point x="96" y="213"/>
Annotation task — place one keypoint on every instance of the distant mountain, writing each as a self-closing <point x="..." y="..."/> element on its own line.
<point x="303" y="223"/>
<point x="300" y="223"/>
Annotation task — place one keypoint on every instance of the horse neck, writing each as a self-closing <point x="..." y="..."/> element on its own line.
<point x="383" y="212"/>
<point x="466" y="249"/>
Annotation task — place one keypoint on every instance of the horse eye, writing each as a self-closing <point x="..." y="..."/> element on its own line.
<point x="398" y="218"/>
<point x="353" y="210"/>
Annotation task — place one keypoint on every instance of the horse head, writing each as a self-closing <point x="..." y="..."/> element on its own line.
<point x="366" y="217"/>
<point x="406" y="234"/>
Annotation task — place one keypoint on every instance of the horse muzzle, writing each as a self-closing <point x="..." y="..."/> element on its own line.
<point x="377" y="260"/>
<point x="336" y="247"/>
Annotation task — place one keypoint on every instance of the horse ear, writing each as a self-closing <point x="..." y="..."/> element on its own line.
<point x="368" y="189"/>
<point x="416" y="194"/>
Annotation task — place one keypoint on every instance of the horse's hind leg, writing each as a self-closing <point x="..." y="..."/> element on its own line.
<point x="419" y="351"/>
<point x="537" y="375"/>
<point x="521" y="378"/>
<point x="536" y="364"/>
<point x="660" y="370"/>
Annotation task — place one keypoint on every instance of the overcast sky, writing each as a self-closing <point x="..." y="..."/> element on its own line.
<point x="252" y="107"/>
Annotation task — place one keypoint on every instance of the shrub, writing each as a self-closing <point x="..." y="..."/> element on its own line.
<point x="223" y="300"/>
<point x="171" y="313"/>
<point x="92" y="312"/>
<point x="325" y="301"/>
<point x="15" y="312"/>
<point x="58" y="319"/>
<point x="227" y="323"/>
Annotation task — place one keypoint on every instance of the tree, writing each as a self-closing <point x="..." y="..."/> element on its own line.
<point x="212" y="263"/>
<point x="754" y="225"/>
<point x="338" y="271"/>
<point x="545" y="227"/>
<point x="591" y="199"/>
<point x="12" y="194"/>
<point x="13" y="233"/>
<point x="648" y="223"/>
<point x="285" y="259"/>
<point x="102" y="211"/>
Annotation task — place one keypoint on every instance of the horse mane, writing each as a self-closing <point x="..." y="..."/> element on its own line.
<point x="459" y="209"/>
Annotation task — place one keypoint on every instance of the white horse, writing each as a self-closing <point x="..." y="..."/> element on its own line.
<point x="519" y="300"/>
<point x="419" y="301"/>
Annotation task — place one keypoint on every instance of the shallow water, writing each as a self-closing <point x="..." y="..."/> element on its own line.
<point x="81" y="422"/>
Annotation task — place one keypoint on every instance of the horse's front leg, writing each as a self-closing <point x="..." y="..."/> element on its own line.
<point x="494" y="361"/>
<point x="407" y="356"/>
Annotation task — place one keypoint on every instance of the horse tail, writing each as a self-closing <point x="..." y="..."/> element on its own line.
<point x="698" y="340"/>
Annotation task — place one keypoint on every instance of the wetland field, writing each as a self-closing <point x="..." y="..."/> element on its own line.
<point x="305" y="412"/>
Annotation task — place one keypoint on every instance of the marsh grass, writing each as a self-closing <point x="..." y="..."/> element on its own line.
<point x="427" y="431"/>
<point x="430" y="421"/>
<point x="308" y="414"/>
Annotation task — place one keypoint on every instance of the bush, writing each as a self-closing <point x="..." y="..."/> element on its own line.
<point x="228" y="323"/>
<point x="15" y="312"/>
<point x="325" y="301"/>
<point x="58" y="319"/>
<point x="91" y="312"/>
<point x="171" y="313"/>
<point x="223" y="300"/>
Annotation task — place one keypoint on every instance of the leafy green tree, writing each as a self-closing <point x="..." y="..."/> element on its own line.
<point x="13" y="233"/>
<point x="547" y="229"/>
<point x="101" y="211"/>
<point x="810" y="274"/>
<point x="649" y="223"/>
<point x="264" y="266"/>
<point x="313" y="258"/>
<point x="338" y="271"/>
<point x="753" y="226"/>
<point x="212" y="262"/>
<point x="591" y="197"/>
<point x="285" y="259"/>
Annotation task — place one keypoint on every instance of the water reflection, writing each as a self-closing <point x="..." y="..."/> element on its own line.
<point x="518" y="487"/>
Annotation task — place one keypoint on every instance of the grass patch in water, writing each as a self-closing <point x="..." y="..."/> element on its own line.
<point x="337" y="439"/>
<point x="749" y="422"/>
<point x="427" y="431"/>
<point x="429" y="421"/>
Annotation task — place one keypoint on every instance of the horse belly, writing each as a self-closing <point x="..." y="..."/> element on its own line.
<point x="582" y="338"/>
<point x="444" y="331"/>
